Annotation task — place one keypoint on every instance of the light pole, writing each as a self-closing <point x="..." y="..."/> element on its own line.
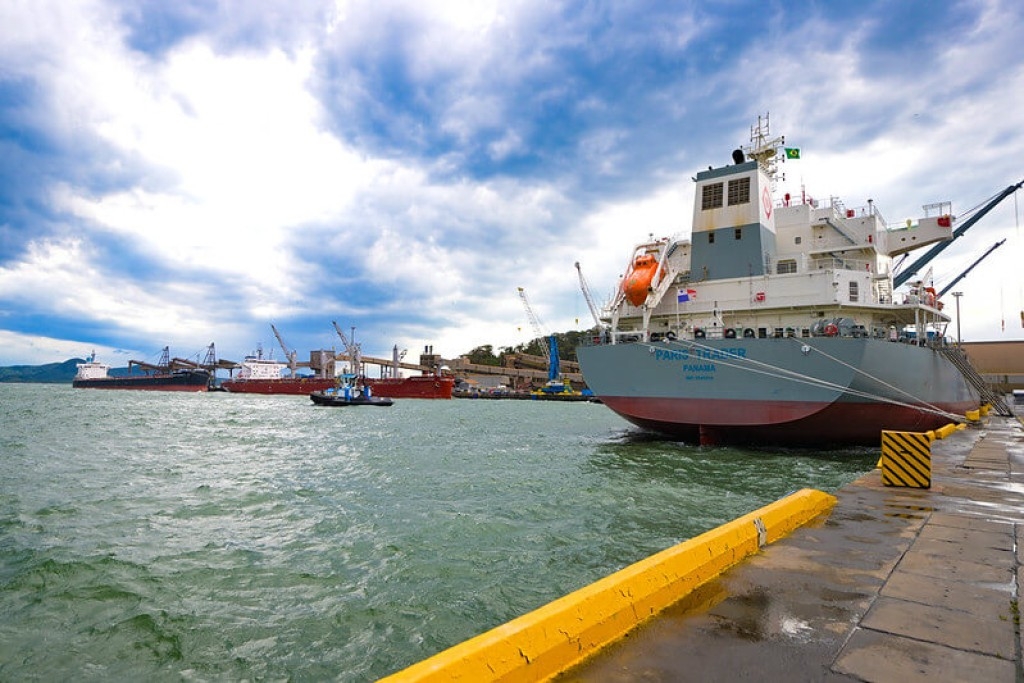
<point x="958" y="295"/>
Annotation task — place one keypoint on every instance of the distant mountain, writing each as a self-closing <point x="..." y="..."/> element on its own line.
<point x="51" y="373"/>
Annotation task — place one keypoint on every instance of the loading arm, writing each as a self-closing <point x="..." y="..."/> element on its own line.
<point x="587" y="297"/>
<point x="290" y="354"/>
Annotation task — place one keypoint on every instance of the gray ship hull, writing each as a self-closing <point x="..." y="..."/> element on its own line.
<point x="801" y="391"/>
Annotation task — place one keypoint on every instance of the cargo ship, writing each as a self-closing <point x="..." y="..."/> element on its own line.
<point x="779" y="321"/>
<point x="162" y="377"/>
<point x="260" y="375"/>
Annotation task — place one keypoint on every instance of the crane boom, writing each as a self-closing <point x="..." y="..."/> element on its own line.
<point x="920" y="263"/>
<point x="288" y="353"/>
<point x="962" y="275"/>
<point x="351" y="348"/>
<point x="537" y="330"/>
<point x="587" y="297"/>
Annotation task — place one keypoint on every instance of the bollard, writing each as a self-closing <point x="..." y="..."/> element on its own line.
<point x="906" y="459"/>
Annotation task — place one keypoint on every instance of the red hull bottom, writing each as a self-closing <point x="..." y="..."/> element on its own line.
<point x="833" y="424"/>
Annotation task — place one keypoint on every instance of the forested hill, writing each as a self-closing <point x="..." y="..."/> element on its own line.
<point x="51" y="373"/>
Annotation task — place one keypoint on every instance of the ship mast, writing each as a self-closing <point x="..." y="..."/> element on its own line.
<point x="763" y="148"/>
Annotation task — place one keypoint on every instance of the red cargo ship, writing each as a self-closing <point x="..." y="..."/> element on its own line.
<point x="260" y="375"/>
<point x="417" y="386"/>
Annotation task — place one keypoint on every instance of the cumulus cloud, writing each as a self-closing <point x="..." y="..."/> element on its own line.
<point x="192" y="172"/>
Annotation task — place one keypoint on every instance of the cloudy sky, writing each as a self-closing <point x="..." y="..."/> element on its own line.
<point x="180" y="173"/>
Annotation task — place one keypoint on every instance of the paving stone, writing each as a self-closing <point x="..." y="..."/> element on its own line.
<point x="871" y="656"/>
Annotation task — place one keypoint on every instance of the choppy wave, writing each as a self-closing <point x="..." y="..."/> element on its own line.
<point x="215" y="536"/>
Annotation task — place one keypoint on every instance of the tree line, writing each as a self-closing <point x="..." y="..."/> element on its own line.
<point x="567" y="343"/>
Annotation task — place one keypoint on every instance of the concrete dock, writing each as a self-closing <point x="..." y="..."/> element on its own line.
<point x="895" y="584"/>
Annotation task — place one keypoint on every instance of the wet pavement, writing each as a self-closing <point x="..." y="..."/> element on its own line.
<point x="896" y="584"/>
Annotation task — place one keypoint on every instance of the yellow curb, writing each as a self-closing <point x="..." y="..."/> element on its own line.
<point x="552" y="638"/>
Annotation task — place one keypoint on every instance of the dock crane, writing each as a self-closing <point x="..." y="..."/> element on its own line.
<point x="351" y="348"/>
<point x="554" y="383"/>
<point x="587" y="297"/>
<point x="290" y="354"/>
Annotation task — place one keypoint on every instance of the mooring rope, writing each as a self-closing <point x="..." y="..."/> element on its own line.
<point x="933" y="408"/>
<point x="802" y="378"/>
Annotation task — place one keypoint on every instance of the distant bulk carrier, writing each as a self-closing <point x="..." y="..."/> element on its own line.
<point x="778" y="321"/>
<point x="160" y="377"/>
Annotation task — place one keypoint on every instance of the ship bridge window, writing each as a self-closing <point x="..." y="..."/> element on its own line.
<point x="739" y="191"/>
<point x="786" y="266"/>
<point x="854" y="291"/>
<point x="711" y="196"/>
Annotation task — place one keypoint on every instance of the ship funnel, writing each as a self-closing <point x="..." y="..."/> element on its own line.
<point x="738" y="157"/>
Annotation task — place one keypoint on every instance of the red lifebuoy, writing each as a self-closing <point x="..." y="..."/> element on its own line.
<point x="831" y="330"/>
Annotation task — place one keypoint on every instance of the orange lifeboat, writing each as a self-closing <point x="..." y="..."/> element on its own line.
<point x="637" y="282"/>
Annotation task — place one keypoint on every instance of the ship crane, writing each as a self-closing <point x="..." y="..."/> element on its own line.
<point x="351" y="348"/>
<point x="551" y="349"/>
<point x="289" y="354"/>
<point x="962" y="275"/>
<point x="920" y="263"/>
<point x="587" y="297"/>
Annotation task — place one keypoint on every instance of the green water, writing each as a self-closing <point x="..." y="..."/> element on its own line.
<point x="158" y="536"/>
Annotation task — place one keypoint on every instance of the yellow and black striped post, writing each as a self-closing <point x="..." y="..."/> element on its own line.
<point x="906" y="459"/>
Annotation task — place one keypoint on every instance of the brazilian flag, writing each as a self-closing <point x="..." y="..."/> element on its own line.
<point x="792" y="152"/>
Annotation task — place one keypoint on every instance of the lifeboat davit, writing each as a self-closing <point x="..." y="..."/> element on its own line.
<point x="637" y="282"/>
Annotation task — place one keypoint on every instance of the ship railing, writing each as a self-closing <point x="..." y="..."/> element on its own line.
<point x="834" y="263"/>
<point x="839" y="210"/>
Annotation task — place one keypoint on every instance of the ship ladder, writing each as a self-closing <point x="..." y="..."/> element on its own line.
<point x="838" y="228"/>
<point x="959" y="359"/>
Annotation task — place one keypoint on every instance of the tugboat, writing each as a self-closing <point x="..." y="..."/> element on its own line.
<point x="352" y="389"/>
<point x="349" y="392"/>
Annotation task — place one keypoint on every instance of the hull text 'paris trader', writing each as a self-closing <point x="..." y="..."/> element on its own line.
<point x="779" y="321"/>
